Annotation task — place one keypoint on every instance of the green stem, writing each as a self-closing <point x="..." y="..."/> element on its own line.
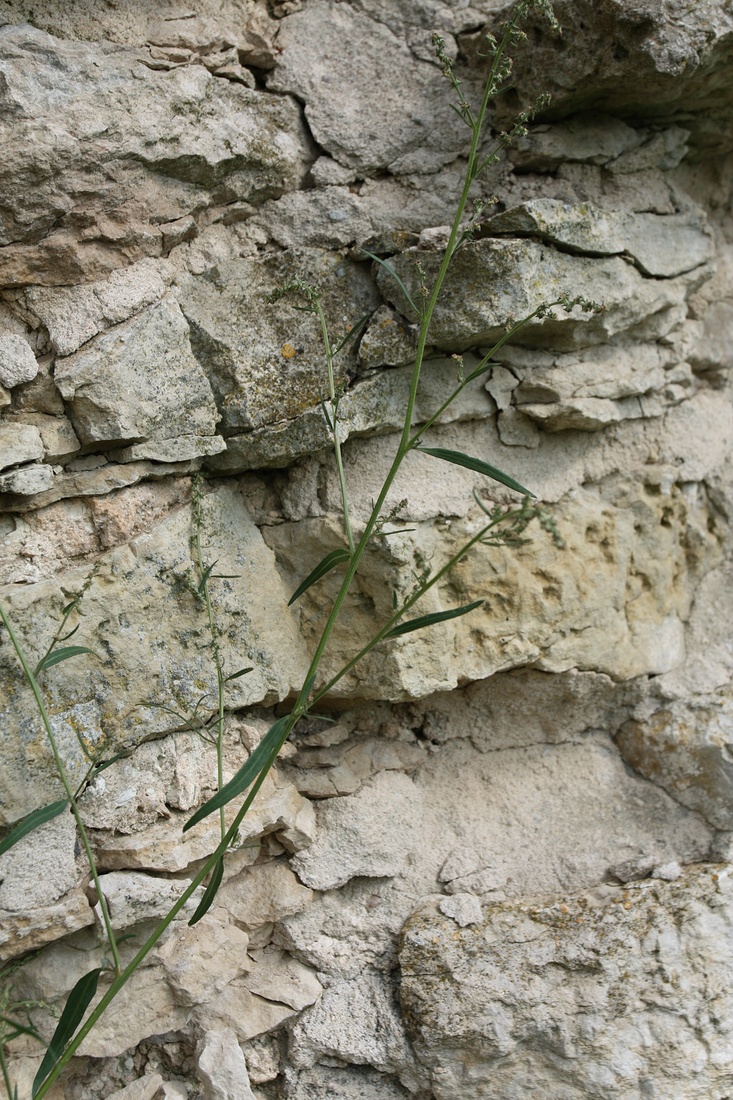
<point x="409" y="603"/>
<point x="334" y="420"/>
<point x="70" y="794"/>
<point x="217" y="662"/>
<point x="12" y="1093"/>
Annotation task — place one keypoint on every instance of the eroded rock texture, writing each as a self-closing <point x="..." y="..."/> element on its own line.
<point x="498" y="866"/>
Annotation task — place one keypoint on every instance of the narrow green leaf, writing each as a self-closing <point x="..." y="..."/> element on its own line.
<point x="76" y="1005"/>
<point x="210" y="892"/>
<point x="325" y="565"/>
<point x="102" y="765"/>
<point x="429" y="620"/>
<point x="395" y="276"/>
<point x="31" y="822"/>
<point x="246" y="774"/>
<point x="58" y="655"/>
<point x="71" y="633"/>
<point x="352" y="332"/>
<point x="205" y="577"/>
<point x="19" y="1029"/>
<point x="236" y="675"/>
<point x="458" y="458"/>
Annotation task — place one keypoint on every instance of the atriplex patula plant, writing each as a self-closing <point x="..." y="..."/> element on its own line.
<point x="502" y="525"/>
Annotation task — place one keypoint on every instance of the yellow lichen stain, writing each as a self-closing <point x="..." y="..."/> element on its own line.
<point x="287" y="351"/>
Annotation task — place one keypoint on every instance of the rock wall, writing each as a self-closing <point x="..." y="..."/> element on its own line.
<point x="499" y="869"/>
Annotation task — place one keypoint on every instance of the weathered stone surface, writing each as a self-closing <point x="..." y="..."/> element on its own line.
<point x="264" y="360"/>
<point x="278" y="977"/>
<point x="685" y="748"/>
<point x="27" y="481"/>
<point x="491" y="281"/>
<point x="167" y="140"/>
<point x="574" y="996"/>
<point x="222" y="1068"/>
<point x="19" y="443"/>
<point x="661" y="246"/>
<point x="352" y="1083"/>
<point x="73" y="315"/>
<point x="59" y="439"/>
<point x="133" y="897"/>
<point x="650" y="62"/>
<point x="17" y="362"/>
<point x="140" y="383"/>
<point x="422" y="133"/>
<point x="101" y="696"/>
<point x="143" y="1089"/>
<point x="373" y="406"/>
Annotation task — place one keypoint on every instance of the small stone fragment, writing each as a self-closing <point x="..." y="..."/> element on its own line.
<point x="19" y="443"/>
<point x="464" y="909"/>
<point x="222" y="1068"/>
<point x="144" y="1088"/>
<point x="27" y="480"/>
<point x="18" y="364"/>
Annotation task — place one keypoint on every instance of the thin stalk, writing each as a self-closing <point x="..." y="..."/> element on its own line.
<point x="409" y="603"/>
<point x="67" y="787"/>
<point x="217" y="663"/>
<point x="124" y="975"/>
<point x="480" y="369"/>
<point x="6" y="1075"/>
<point x="334" y="420"/>
<point x="406" y="443"/>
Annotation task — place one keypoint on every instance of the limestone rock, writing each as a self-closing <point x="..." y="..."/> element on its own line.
<point x="59" y="439"/>
<point x="511" y="278"/>
<point x="684" y="747"/>
<point x="222" y="1068"/>
<point x="422" y="133"/>
<point x="201" y="960"/>
<point x="133" y="897"/>
<point x="264" y="360"/>
<point x="73" y="315"/>
<point x="26" y="481"/>
<point x="143" y="1089"/>
<point x="246" y="1014"/>
<point x="355" y="1021"/>
<point x="636" y="60"/>
<point x="348" y="1083"/>
<point x="278" y="977"/>
<point x="373" y="406"/>
<point x="263" y="894"/>
<point x="662" y="246"/>
<point x="19" y="443"/>
<point x="102" y="112"/>
<point x="139" y="383"/>
<point x="561" y="995"/>
<point x="140" y="580"/>
<point x="18" y="364"/>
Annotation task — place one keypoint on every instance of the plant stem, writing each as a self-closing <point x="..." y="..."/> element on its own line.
<point x="334" y="419"/>
<point x="12" y="1093"/>
<point x="30" y="677"/>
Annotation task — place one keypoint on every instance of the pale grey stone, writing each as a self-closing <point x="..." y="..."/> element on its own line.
<point x="264" y="359"/>
<point x="222" y="1068"/>
<point x="59" y="439"/>
<point x="662" y="246"/>
<point x="143" y="1089"/>
<point x="19" y="442"/>
<point x="464" y="909"/>
<point x="278" y="977"/>
<point x="139" y="382"/>
<point x="133" y="897"/>
<point x="18" y="364"/>
<point x="181" y="449"/>
<point x="511" y="278"/>
<point x="561" y="995"/>
<point x="41" y="868"/>
<point x="146" y="148"/>
<point x="27" y="480"/>
<point x="422" y="133"/>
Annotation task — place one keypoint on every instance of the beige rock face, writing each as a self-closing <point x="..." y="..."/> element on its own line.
<point x="491" y="862"/>
<point x="574" y="996"/>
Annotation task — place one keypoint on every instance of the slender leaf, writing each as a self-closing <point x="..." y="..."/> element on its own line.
<point x="31" y="822"/>
<point x="102" y="765"/>
<point x="210" y="892"/>
<point x="236" y="675"/>
<point x="19" y="1029"/>
<point x="458" y="458"/>
<point x="205" y="577"/>
<point x="246" y="774"/>
<point x="76" y="1005"/>
<point x="435" y="617"/>
<point x="325" y="565"/>
<point x="58" y="655"/>
<point x="395" y="276"/>
<point x="71" y="633"/>
<point x="352" y="333"/>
